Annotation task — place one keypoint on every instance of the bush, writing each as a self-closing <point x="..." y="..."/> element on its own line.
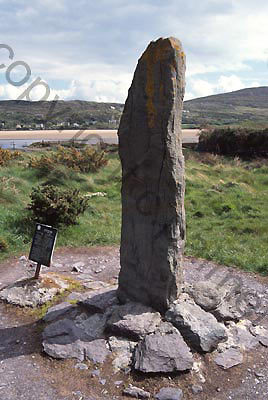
<point x="3" y="244"/>
<point x="86" y="160"/>
<point x="7" y="155"/>
<point x="241" y="142"/>
<point x="53" y="206"/>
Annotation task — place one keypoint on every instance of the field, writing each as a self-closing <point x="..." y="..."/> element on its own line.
<point x="226" y="206"/>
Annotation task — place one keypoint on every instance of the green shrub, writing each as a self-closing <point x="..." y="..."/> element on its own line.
<point x="241" y="142"/>
<point x="53" y="206"/>
<point x="3" y="244"/>
<point x="85" y="160"/>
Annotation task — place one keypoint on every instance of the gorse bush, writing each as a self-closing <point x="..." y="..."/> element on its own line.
<point x="3" y="245"/>
<point x="53" y="206"/>
<point x="85" y="160"/>
<point x="6" y="156"/>
<point x="241" y="142"/>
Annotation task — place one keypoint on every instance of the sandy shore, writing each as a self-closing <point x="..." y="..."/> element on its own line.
<point x="69" y="134"/>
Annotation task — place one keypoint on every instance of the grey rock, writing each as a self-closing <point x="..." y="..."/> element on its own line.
<point x="229" y="358"/>
<point x="118" y="383"/>
<point x="166" y="328"/>
<point x="261" y="334"/>
<point x="59" y="311"/>
<point x="61" y="339"/>
<point x="150" y="149"/>
<point x="133" y="320"/>
<point x="100" y="301"/>
<point x="102" y="381"/>
<point x="206" y="294"/>
<point x="32" y="292"/>
<point x="196" y="389"/>
<point x="81" y="366"/>
<point x="200" y="329"/>
<point x="74" y="349"/>
<point x="228" y="301"/>
<point x="23" y="258"/>
<point x="243" y="338"/>
<point x="122" y="349"/>
<point x="96" y="351"/>
<point x="137" y="393"/>
<point x="96" y="372"/>
<point x="169" y="394"/>
<point x="76" y="296"/>
<point x="69" y="338"/>
<point x="158" y="353"/>
<point x="92" y="327"/>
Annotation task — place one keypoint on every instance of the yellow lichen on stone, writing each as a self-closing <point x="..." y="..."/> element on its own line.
<point x="156" y="52"/>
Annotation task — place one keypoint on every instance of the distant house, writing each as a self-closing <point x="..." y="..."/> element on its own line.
<point x="39" y="126"/>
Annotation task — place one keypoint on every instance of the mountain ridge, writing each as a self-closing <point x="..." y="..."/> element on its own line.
<point x="246" y="107"/>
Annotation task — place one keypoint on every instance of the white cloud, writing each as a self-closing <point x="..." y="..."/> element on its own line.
<point x="90" y="49"/>
<point x="225" y="83"/>
<point x="201" y="88"/>
<point x="229" y="83"/>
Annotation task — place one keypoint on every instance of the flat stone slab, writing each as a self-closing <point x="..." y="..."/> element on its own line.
<point x="158" y="353"/>
<point x="59" y="311"/>
<point x="99" y="301"/>
<point x="34" y="292"/>
<point x="133" y="320"/>
<point x="199" y="328"/>
<point x="68" y="338"/>
<point x="229" y="358"/>
<point x="169" y="394"/>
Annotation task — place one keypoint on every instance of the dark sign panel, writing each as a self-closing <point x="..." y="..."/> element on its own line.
<point x="43" y="244"/>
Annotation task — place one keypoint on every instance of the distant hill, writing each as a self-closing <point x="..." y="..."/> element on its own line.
<point x="54" y="114"/>
<point x="246" y="107"/>
<point x="243" y="107"/>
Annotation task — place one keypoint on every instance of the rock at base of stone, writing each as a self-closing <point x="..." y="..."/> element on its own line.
<point x="169" y="394"/>
<point x="137" y="393"/>
<point x="229" y="358"/>
<point x="59" y="311"/>
<point x="122" y="350"/>
<point x="199" y="328"/>
<point x="133" y="320"/>
<point x="158" y="353"/>
<point x="99" y="301"/>
<point x="96" y="351"/>
<point x="150" y="149"/>
<point x="226" y="301"/>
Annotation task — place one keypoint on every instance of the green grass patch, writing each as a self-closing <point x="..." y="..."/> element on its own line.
<point x="226" y="206"/>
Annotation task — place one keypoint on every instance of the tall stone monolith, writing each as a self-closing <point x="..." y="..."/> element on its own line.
<point x="150" y="148"/>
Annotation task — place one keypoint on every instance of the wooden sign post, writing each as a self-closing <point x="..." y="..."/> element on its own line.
<point x="42" y="246"/>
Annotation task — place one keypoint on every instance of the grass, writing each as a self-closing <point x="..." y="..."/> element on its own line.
<point x="226" y="206"/>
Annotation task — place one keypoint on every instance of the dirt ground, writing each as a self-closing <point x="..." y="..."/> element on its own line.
<point x="28" y="374"/>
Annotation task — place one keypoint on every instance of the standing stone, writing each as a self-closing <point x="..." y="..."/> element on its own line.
<point x="150" y="148"/>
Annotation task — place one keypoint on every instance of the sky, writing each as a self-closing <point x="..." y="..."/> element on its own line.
<point x="88" y="49"/>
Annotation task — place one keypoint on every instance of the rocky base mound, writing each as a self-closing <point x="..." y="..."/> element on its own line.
<point x="136" y="337"/>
